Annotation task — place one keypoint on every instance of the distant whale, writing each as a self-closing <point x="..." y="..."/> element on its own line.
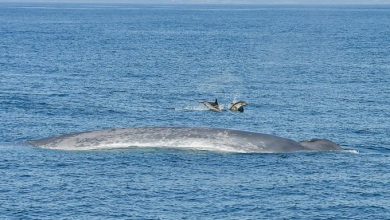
<point x="212" y="139"/>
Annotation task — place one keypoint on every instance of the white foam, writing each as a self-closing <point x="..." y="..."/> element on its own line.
<point x="352" y="151"/>
<point x="198" y="107"/>
<point x="192" y="108"/>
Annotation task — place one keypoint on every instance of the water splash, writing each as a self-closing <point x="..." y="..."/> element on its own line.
<point x="191" y="108"/>
<point x="196" y="108"/>
<point x="352" y="151"/>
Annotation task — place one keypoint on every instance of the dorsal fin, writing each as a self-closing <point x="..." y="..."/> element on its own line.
<point x="216" y="102"/>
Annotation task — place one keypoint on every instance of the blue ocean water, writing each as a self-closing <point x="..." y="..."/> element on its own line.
<point x="306" y="72"/>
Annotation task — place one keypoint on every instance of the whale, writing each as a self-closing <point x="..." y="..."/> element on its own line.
<point x="205" y="139"/>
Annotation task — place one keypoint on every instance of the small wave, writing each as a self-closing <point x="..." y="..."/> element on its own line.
<point x="91" y="7"/>
<point x="18" y="145"/>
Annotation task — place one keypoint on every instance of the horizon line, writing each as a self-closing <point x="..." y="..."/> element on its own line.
<point x="198" y="3"/>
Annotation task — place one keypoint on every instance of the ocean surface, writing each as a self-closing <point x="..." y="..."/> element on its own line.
<point x="306" y="72"/>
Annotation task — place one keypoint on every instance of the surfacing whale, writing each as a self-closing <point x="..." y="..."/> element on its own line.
<point x="212" y="139"/>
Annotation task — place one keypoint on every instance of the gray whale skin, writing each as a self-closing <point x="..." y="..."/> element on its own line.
<point x="213" y="139"/>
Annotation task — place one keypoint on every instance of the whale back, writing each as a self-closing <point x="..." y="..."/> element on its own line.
<point x="212" y="139"/>
<point x="320" y="145"/>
